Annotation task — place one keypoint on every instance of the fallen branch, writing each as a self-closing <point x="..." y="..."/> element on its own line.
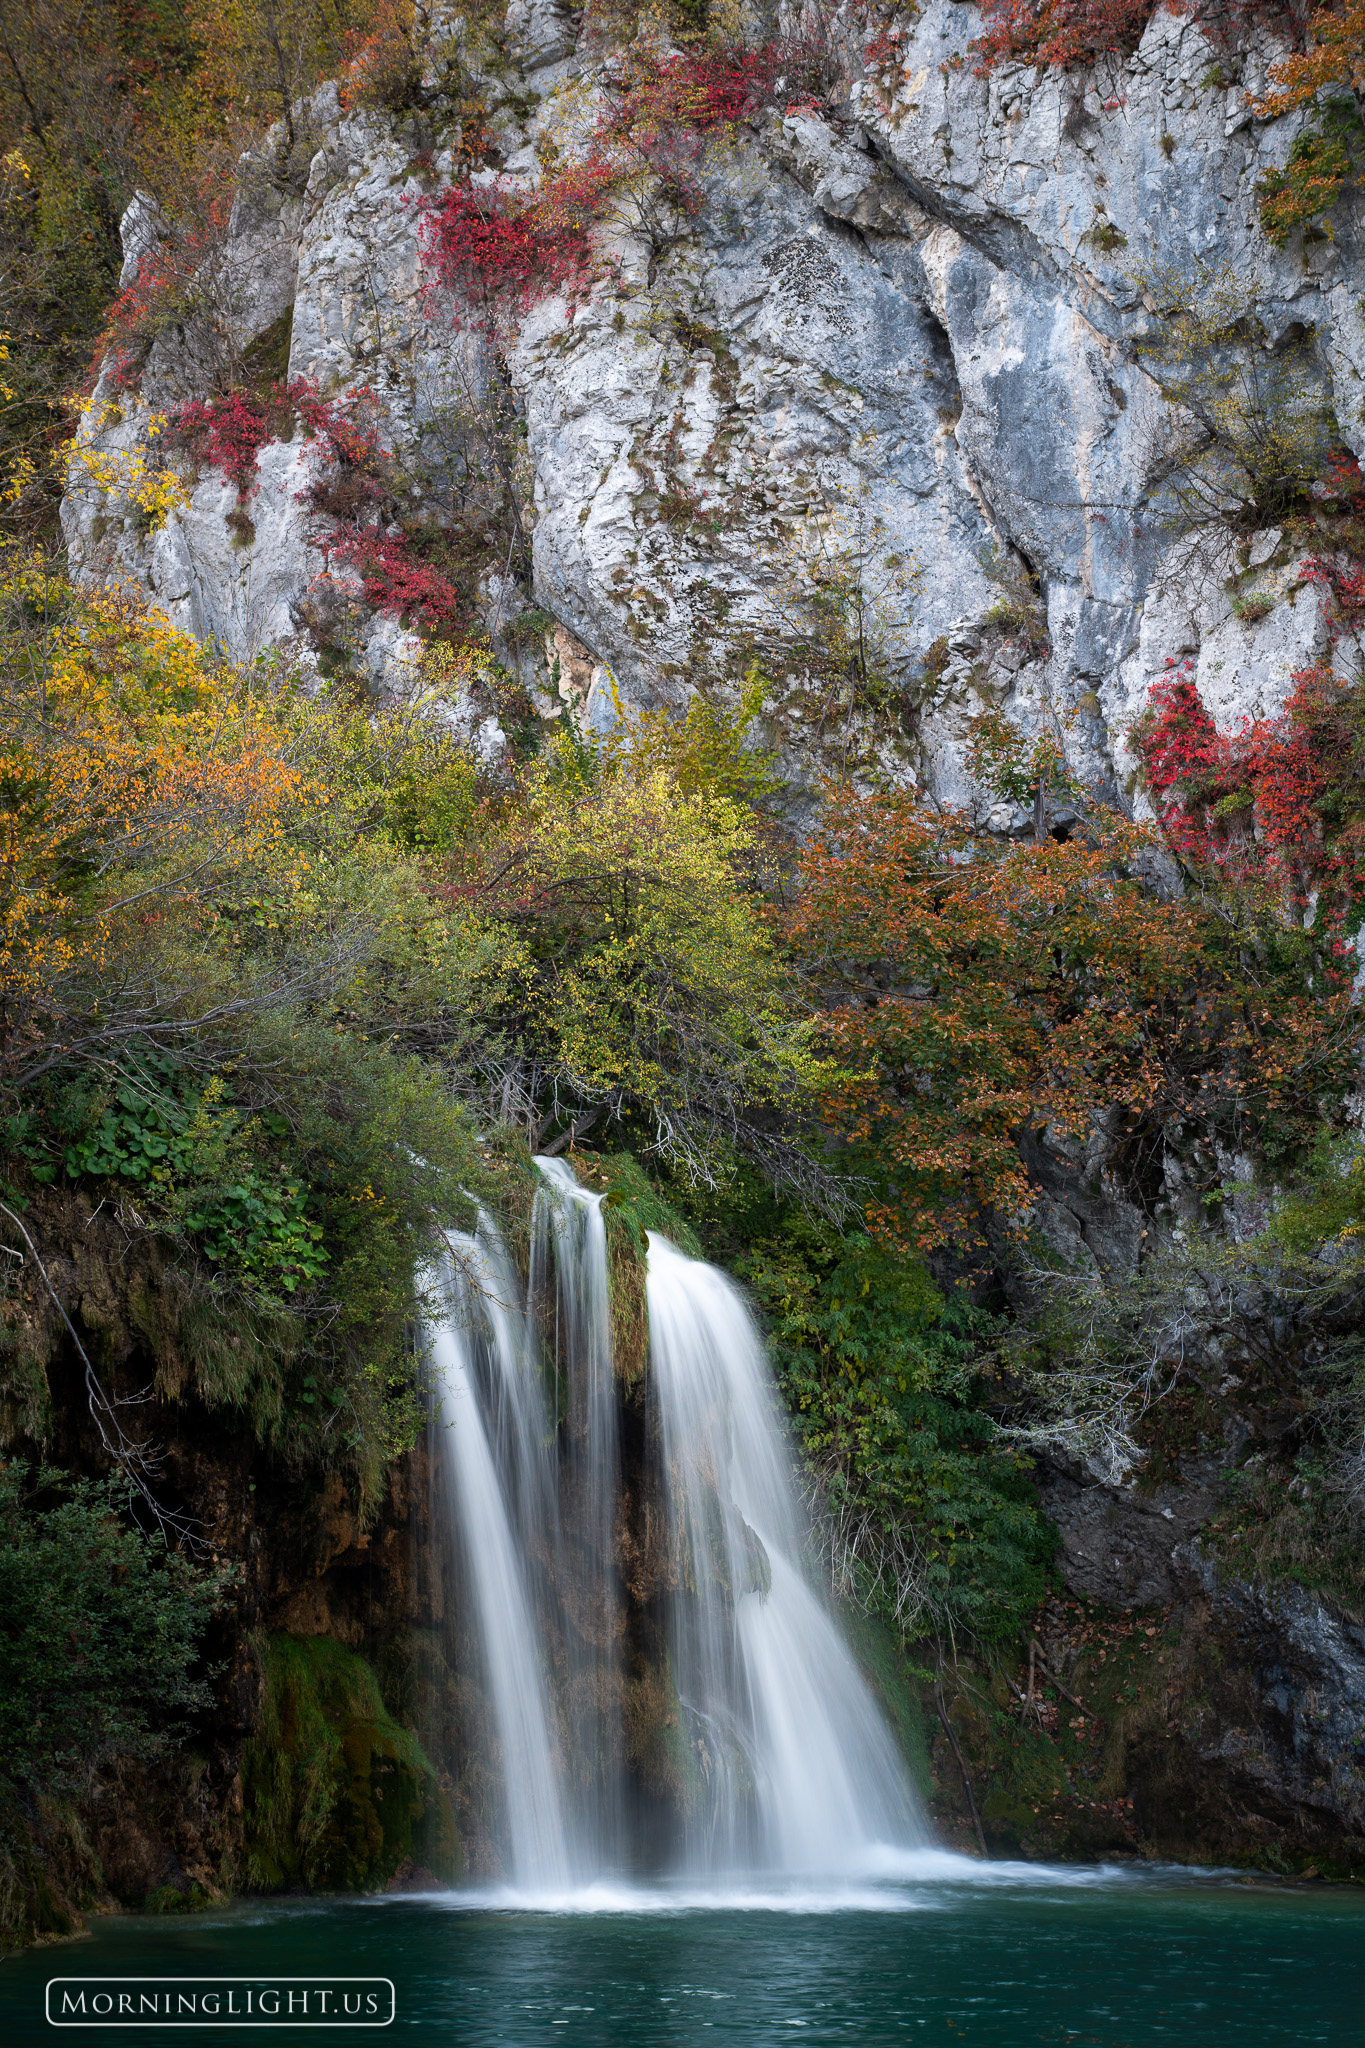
<point x="966" y="1781"/>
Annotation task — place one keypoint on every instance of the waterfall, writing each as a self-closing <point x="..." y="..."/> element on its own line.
<point x="797" y="1770"/>
<point x="568" y="1235"/>
<point x="495" y="1442"/>
<point x="771" y="1749"/>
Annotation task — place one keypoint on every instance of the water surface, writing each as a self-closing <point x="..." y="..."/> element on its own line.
<point x="936" y="1950"/>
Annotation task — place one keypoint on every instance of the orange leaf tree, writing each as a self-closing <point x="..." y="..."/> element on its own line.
<point x="1325" y="79"/>
<point x="139" y="790"/>
<point x="981" y="992"/>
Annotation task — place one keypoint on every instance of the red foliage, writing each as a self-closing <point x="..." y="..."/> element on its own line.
<point x="1065" y="32"/>
<point x="229" y="433"/>
<point x="505" y="243"/>
<point x="1074" y="33"/>
<point x="349" y="426"/>
<point x="396" y="580"/>
<point x="496" y="243"/>
<point x="1342" y="491"/>
<point x="1265" y="807"/>
<point x="164" y="279"/>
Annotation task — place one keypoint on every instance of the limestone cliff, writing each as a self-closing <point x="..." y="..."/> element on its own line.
<point x="909" y="327"/>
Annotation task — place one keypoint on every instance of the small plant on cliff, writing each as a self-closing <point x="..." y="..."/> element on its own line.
<point x="1247" y="430"/>
<point x="638" y="173"/>
<point x="229" y="433"/>
<point x="1068" y="33"/>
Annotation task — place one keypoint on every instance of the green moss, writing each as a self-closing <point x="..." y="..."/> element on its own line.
<point x="656" y="1739"/>
<point x="633" y="1208"/>
<point x="267" y="358"/>
<point x="337" y="1794"/>
<point x="168" y="1898"/>
<point x="896" y="1684"/>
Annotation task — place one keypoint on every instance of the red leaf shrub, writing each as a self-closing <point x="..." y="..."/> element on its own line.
<point x="1342" y="493"/>
<point x="1275" y="808"/>
<point x="160" y="291"/>
<point x="396" y="580"/>
<point x="495" y="243"/>
<point x="505" y="243"/>
<point x="1075" y="33"/>
<point x="1065" y="32"/>
<point x="229" y="433"/>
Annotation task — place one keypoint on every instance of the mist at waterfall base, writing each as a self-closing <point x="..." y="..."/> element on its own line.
<point x="713" y="1728"/>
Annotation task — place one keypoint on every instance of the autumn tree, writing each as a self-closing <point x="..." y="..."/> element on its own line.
<point x="978" y="993"/>
<point x="1325" y="81"/>
<point x="646" y="993"/>
<point x="137" y="788"/>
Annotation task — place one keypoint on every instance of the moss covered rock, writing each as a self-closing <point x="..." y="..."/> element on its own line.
<point x="337" y="1795"/>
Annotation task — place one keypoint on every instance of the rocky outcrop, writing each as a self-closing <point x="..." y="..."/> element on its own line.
<point x="907" y="333"/>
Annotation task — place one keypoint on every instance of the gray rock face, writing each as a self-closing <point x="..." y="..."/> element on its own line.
<point x="1300" y="1750"/>
<point x="914" y="337"/>
<point x="1261" y="1747"/>
<point x="1120" y="1546"/>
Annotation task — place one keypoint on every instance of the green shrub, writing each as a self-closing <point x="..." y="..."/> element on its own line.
<point x="100" y="1630"/>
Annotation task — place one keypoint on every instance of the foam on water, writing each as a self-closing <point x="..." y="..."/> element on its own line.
<point x="895" y="1881"/>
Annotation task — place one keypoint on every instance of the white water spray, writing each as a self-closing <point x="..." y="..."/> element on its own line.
<point x="569" y="1268"/>
<point x="495" y="1425"/>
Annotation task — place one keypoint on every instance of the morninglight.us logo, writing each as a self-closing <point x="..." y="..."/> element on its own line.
<point x="180" y="2002"/>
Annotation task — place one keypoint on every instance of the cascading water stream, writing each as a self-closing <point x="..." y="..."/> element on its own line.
<point x="495" y="1425"/>
<point x="569" y="1268"/>
<point x="779" y="1760"/>
<point x="798" y="1772"/>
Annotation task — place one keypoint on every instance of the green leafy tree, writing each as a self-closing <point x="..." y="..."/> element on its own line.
<point x="100" y="1630"/>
